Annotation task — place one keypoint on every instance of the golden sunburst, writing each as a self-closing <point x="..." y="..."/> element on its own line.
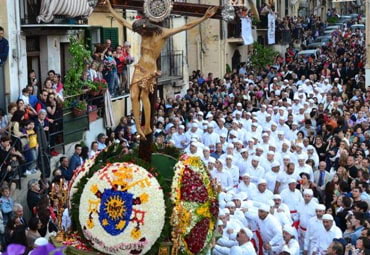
<point x="115" y="207"/>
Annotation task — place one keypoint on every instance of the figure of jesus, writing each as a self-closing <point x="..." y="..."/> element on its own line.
<point x="153" y="38"/>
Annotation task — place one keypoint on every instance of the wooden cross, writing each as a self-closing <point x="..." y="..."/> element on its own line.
<point x="179" y="8"/>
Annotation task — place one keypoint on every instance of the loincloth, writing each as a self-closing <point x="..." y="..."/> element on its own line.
<point x="148" y="81"/>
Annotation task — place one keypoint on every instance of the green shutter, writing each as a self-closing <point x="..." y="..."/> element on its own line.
<point x="110" y="33"/>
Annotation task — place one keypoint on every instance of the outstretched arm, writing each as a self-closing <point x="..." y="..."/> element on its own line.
<point x="209" y="13"/>
<point x="117" y="16"/>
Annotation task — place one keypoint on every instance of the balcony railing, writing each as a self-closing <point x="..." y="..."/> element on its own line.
<point x="171" y="65"/>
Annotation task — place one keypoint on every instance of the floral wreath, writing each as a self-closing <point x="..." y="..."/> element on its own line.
<point x="80" y="172"/>
<point x="122" y="209"/>
<point x="195" y="210"/>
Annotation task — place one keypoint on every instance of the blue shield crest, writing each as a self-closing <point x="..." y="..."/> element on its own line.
<point x="115" y="211"/>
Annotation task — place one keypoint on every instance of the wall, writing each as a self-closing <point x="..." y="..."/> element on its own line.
<point x="16" y="65"/>
<point x="104" y="19"/>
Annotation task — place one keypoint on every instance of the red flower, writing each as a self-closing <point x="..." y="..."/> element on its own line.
<point x="197" y="236"/>
<point x="192" y="187"/>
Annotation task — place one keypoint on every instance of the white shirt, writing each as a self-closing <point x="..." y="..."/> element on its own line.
<point x="234" y="172"/>
<point x="210" y="139"/>
<point x="223" y="178"/>
<point x="250" y="189"/>
<point x="306" y="212"/>
<point x="311" y="239"/>
<point x="292" y="199"/>
<point x="326" y="237"/>
<point x="255" y="173"/>
<point x="178" y="138"/>
<point x="271" y="178"/>
<point x="262" y="197"/>
<point x="270" y="229"/>
<point x="293" y="247"/>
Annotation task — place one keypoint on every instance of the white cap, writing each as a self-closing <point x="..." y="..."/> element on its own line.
<point x="243" y="150"/>
<point x="209" y="115"/>
<point x="265" y="134"/>
<point x="246" y="175"/>
<point x="230" y="145"/>
<point x="289" y="229"/>
<point x="194" y="125"/>
<point x="327" y="217"/>
<point x="206" y="148"/>
<point x="271" y="153"/>
<point x="248" y="232"/>
<point x="200" y="113"/>
<point x="229" y="157"/>
<point x="256" y="158"/>
<point x="230" y="204"/>
<point x="264" y="207"/>
<point x="291" y="180"/>
<point x="211" y="160"/>
<point x="242" y="196"/>
<point x="182" y="126"/>
<point x="276" y="196"/>
<point x="262" y="181"/>
<point x="320" y="207"/>
<point x="308" y="192"/>
<point x="239" y="104"/>
<point x="275" y="164"/>
<point x="301" y="157"/>
<point x="41" y="242"/>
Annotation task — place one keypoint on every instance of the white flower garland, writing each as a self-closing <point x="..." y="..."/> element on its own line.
<point x="122" y="209"/>
<point x="78" y="174"/>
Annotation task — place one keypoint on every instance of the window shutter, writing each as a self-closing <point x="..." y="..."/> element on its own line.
<point x="110" y="33"/>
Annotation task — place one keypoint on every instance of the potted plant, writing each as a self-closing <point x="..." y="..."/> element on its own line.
<point x="79" y="108"/>
<point x="97" y="87"/>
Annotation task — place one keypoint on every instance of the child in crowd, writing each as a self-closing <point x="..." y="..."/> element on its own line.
<point x="6" y="204"/>
<point x="30" y="149"/>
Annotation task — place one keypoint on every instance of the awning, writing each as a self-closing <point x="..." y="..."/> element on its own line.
<point x="342" y="1"/>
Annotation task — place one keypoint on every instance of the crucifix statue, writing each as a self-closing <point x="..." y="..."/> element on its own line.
<point x="145" y="74"/>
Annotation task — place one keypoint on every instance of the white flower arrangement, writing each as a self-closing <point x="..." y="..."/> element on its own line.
<point x="122" y="209"/>
<point x="78" y="174"/>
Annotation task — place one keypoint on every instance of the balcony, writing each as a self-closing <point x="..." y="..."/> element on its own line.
<point x="29" y="10"/>
<point x="171" y="65"/>
<point x="234" y="34"/>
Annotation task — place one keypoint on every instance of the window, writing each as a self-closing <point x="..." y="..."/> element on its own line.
<point x="110" y="33"/>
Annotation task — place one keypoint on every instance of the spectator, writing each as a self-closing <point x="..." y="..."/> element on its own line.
<point x="4" y="47"/>
<point x="93" y="149"/>
<point x="101" y="141"/>
<point x="32" y="233"/>
<point x="76" y="159"/>
<point x="66" y="172"/>
<point x="18" y="214"/>
<point x="33" y="195"/>
<point x="7" y="204"/>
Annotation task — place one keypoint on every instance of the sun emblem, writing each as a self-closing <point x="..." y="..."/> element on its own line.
<point x="115" y="207"/>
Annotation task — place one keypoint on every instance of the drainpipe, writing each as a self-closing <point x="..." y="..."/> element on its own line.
<point x="18" y="43"/>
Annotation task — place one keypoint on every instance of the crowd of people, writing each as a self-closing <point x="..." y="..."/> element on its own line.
<point x="288" y="145"/>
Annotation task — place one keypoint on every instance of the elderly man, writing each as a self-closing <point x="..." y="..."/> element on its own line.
<point x="268" y="227"/>
<point x="210" y="137"/>
<point x="306" y="211"/>
<point x="33" y="194"/>
<point x="262" y="194"/>
<point x="281" y="211"/>
<point x="223" y="178"/>
<point x="313" y="226"/>
<point x="255" y="171"/>
<point x="290" y="242"/>
<point x="326" y="234"/>
<point x="292" y="197"/>
<point x="246" y="186"/>
<point x="232" y="169"/>
<point x="18" y="213"/>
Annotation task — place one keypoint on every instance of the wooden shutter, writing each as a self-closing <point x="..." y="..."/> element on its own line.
<point x="110" y="33"/>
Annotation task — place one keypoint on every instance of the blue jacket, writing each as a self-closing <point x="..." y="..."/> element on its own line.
<point x="4" y="50"/>
<point x="74" y="162"/>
